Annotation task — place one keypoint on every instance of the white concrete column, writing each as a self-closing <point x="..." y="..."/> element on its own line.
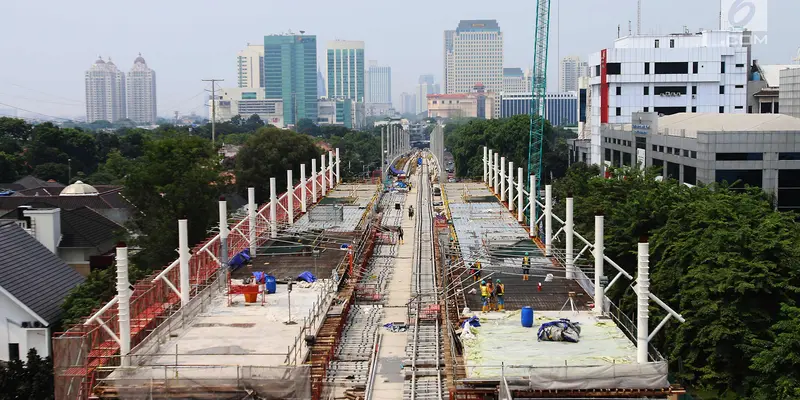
<point x="251" y="212"/>
<point x="532" y="206"/>
<point x="330" y="170"/>
<point x="496" y="172"/>
<point x="314" y="181"/>
<point x="289" y="198"/>
<point x="643" y="302"/>
<point x="124" y="304"/>
<point x="570" y="238"/>
<point x="548" y="220"/>
<point x="304" y="185"/>
<point x="324" y="172"/>
<point x="510" y="186"/>
<point x="338" y="167"/>
<point x="520" y="199"/>
<point x="183" y="251"/>
<point x="390" y="141"/>
<point x="502" y="179"/>
<point x="598" y="264"/>
<point x="273" y="208"/>
<point x="490" y="175"/>
<point x="485" y="164"/>
<point x="223" y="235"/>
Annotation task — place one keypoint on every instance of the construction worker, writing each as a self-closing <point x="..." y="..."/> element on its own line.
<point x="526" y="266"/>
<point x="484" y="296"/>
<point x="476" y="270"/>
<point x="500" y="290"/>
<point x="400" y="234"/>
<point x="410" y="212"/>
<point x="490" y="292"/>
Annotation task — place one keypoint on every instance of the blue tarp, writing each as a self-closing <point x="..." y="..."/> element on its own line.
<point x="562" y="330"/>
<point x="307" y="276"/>
<point x="396" y="172"/>
<point x="240" y="259"/>
<point x="6" y="193"/>
<point x="260" y="276"/>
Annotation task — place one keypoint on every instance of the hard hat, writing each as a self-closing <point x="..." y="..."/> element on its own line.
<point x="483" y="282"/>
<point x="498" y="280"/>
<point x="526" y="253"/>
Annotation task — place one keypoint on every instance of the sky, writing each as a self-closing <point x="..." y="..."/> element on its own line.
<point x="47" y="45"/>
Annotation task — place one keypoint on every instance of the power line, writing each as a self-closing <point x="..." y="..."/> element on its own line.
<point x="41" y="101"/>
<point x="47" y="94"/>
<point x="34" y="112"/>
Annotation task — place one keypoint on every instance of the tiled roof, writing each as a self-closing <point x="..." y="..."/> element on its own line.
<point x="32" y="274"/>
<point x="84" y="227"/>
<point x="108" y="200"/>
<point x="31" y="182"/>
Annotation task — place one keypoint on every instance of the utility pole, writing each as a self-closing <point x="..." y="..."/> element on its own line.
<point x="213" y="108"/>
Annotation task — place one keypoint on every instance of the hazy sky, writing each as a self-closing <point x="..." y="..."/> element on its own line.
<point x="47" y="45"/>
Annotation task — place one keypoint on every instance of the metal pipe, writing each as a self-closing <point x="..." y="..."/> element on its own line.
<point x="223" y="235"/>
<point x="251" y="213"/>
<point x="548" y="219"/>
<point x="330" y="170"/>
<point x="338" y="167"/>
<point x="304" y="186"/>
<point x="289" y="198"/>
<point x="383" y="153"/>
<point x="490" y="176"/>
<point x="313" y="181"/>
<point x="502" y="179"/>
<point x="324" y="172"/>
<point x="532" y="205"/>
<point x="568" y="232"/>
<point x="123" y="305"/>
<point x="510" y="180"/>
<point x="273" y="209"/>
<point x="485" y="164"/>
<point x="496" y="172"/>
<point x="519" y="196"/>
<point x="183" y="250"/>
<point x="643" y="302"/>
<point x="598" y="264"/>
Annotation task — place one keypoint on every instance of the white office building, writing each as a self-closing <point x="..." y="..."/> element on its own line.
<point x="408" y="103"/>
<point x="250" y="64"/>
<point x="346" y="70"/>
<point x="245" y="102"/>
<point x="473" y="53"/>
<point x="141" y="93"/>
<point x="105" y="92"/>
<point x="425" y="87"/>
<point x="515" y="81"/>
<point x="705" y="72"/>
<point x="379" y="84"/>
<point x="570" y="71"/>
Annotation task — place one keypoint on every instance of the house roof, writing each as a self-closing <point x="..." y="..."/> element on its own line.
<point x="84" y="227"/>
<point x="30" y="182"/>
<point x="110" y="199"/>
<point x="692" y="123"/>
<point x="772" y="73"/>
<point x="32" y="274"/>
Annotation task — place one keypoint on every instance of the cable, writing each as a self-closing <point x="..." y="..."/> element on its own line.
<point x="41" y="101"/>
<point x="48" y="94"/>
<point x="34" y="112"/>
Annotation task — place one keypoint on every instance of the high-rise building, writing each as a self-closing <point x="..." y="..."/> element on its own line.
<point x="515" y="81"/>
<point x="246" y="102"/>
<point x="250" y="63"/>
<point x="290" y="73"/>
<point x="408" y="103"/>
<point x="346" y="70"/>
<point x="141" y="93"/>
<point x="105" y="92"/>
<point x="426" y="86"/>
<point x="474" y="54"/>
<point x="705" y="72"/>
<point x="570" y="70"/>
<point x="379" y="84"/>
<point x="321" y="90"/>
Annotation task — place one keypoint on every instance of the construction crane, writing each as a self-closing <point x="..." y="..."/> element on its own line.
<point x="538" y="96"/>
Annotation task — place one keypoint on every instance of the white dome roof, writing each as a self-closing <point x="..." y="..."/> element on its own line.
<point x="79" y="189"/>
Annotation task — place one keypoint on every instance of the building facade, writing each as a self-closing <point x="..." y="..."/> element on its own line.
<point x="105" y="92"/>
<point x="474" y="56"/>
<point x="245" y="102"/>
<point x="789" y="96"/>
<point x="760" y="150"/>
<point x="250" y="65"/>
<point x="425" y="87"/>
<point x="290" y="74"/>
<point x="515" y="81"/>
<point x="346" y="70"/>
<point x="322" y="89"/>
<point x="338" y="112"/>
<point x="668" y="74"/>
<point x="461" y="105"/>
<point x="408" y="103"/>
<point x="571" y="69"/>
<point x="379" y="84"/>
<point x="141" y="93"/>
<point x="561" y="109"/>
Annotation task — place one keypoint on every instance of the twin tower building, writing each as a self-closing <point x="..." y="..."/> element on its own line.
<point x="111" y="96"/>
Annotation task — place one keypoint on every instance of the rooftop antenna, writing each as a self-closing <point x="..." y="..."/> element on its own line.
<point x="630" y="29"/>
<point x="618" y="30"/>
<point x="639" y="17"/>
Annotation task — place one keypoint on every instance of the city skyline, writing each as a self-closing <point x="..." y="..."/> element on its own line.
<point x="579" y="33"/>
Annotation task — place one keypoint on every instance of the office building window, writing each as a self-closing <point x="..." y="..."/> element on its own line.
<point x="673" y="171"/>
<point x="694" y="89"/>
<point x="788" y="189"/>
<point x="788" y="156"/>
<point x="689" y="175"/>
<point x="739" y="156"/>
<point x="686" y="153"/>
<point x="672" y="43"/>
<point x="672" y="68"/>
<point x="646" y="109"/>
<point x="722" y="67"/>
<point x="660" y="149"/>
<point x="619" y="111"/>
<point x="742" y="177"/>
<point x="13" y="351"/>
<point x="721" y="89"/>
<point x="740" y="86"/>
<point x="749" y="109"/>
<point x="660" y="165"/>
<point x="657" y="43"/>
<point x="695" y="66"/>
<point x="694" y="109"/>
<point x="738" y="107"/>
<point x="619" y="90"/>
<point x="677" y="151"/>
<point x="646" y="90"/>
<point x="626" y="159"/>
<point x="739" y="65"/>
<point x="669" y="150"/>
<point x="669" y="110"/>
<point x="655" y="148"/>
<point x="669" y="90"/>
<point x="647" y="68"/>
<point x="608" y="155"/>
<point x="693" y="154"/>
<point x="613" y="68"/>
<point x="617" y="159"/>
<point x="721" y="109"/>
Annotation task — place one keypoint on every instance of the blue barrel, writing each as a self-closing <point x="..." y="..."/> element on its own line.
<point x="527" y="317"/>
<point x="270" y="284"/>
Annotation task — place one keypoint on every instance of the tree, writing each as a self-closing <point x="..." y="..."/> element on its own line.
<point x="55" y="171"/>
<point x="307" y="127"/>
<point x="12" y="167"/>
<point x="32" y="379"/>
<point x="359" y="150"/>
<point x="778" y="364"/>
<point x="15" y="129"/>
<point x="269" y="153"/>
<point x="176" y="177"/>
